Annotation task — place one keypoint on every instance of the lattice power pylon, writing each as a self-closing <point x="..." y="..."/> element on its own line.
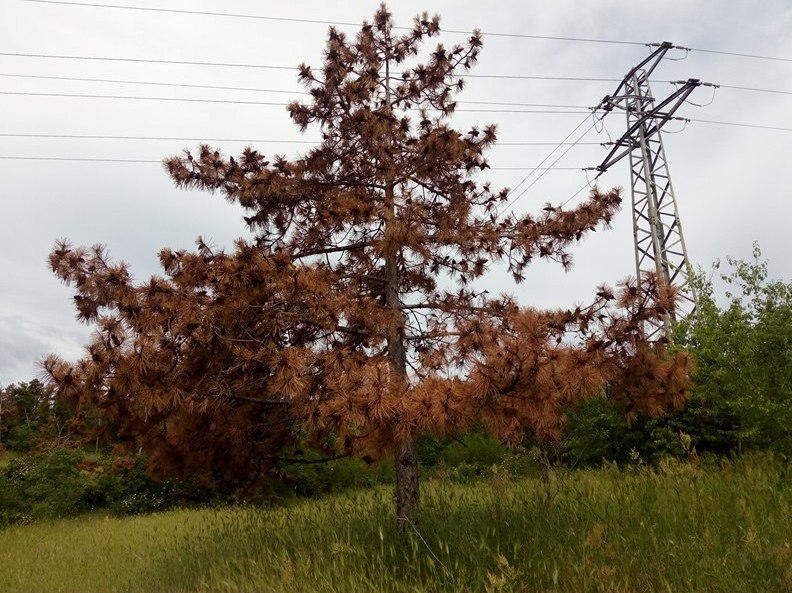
<point x="657" y="229"/>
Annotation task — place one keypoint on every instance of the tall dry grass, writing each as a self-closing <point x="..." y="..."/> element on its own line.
<point x="722" y="526"/>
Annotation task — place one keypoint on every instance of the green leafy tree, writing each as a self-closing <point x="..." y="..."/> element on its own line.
<point x="30" y="413"/>
<point x="743" y="353"/>
<point x="741" y="395"/>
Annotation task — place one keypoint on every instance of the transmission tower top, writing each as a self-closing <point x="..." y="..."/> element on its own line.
<point x="657" y="230"/>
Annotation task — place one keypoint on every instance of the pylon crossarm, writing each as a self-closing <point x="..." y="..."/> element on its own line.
<point x="656" y="116"/>
<point x="648" y="65"/>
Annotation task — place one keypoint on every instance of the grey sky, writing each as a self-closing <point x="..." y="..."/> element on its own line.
<point x="731" y="182"/>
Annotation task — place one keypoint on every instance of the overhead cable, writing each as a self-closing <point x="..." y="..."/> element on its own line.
<point x="546" y="158"/>
<point x="71" y="158"/>
<point x="240" y="102"/>
<point x="146" y="61"/>
<point x="276" y="67"/>
<point x="551" y="167"/>
<point x="325" y="22"/>
<point x="298" y="92"/>
<point x="353" y="24"/>
<point x="199" y="139"/>
<point x="169" y="138"/>
<point x="154" y="83"/>
<point x="150" y="161"/>
<point x="737" y="124"/>
<point x="740" y="55"/>
<point x="754" y="89"/>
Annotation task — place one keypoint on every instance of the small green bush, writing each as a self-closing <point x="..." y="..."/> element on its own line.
<point x="66" y="482"/>
<point x="21" y="438"/>
<point x="475" y="448"/>
<point x="314" y="479"/>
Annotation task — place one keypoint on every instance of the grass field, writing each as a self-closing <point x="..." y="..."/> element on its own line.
<point x="6" y="457"/>
<point x="679" y="527"/>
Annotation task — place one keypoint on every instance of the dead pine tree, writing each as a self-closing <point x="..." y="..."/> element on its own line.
<point x="353" y="313"/>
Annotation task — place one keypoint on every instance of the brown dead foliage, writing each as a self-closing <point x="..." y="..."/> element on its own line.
<point x="338" y="318"/>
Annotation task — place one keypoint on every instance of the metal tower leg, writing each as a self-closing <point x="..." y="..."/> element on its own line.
<point x="657" y="230"/>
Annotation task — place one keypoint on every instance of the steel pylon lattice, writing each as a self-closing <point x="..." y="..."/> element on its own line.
<point x="657" y="230"/>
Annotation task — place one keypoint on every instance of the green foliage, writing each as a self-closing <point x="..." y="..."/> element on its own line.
<point x="742" y="381"/>
<point x="598" y="431"/>
<point x="62" y="482"/>
<point x="66" y="482"/>
<point x="469" y="457"/>
<point x="338" y="475"/>
<point x="306" y="472"/>
<point x="476" y="448"/>
<point x="721" y="527"/>
<point x="6" y="457"/>
<point x="31" y="413"/>
<point x="21" y="438"/>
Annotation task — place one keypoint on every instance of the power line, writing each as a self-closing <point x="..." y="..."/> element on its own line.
<point x="350" y="24"/>
<point x="323" y="22"/>
<point x="574" y="195"/>
<point x="292" y="68"/>
<point x="55" y="158"/>
<point x="276" y="67"/>
<point x="146" y="61"/>
<point x="149" y="161"/>
<point x="738" y="124"/>
<point x="259" y="90"/>
<point x="544" y="160"/>
<point x="314" y="142"/>
<point x="198" y="12"/>
<point x="536" y="168"/>
<point x="741" y="55"/>
<point x="298" y="92"/>
<point x="530" y="77"/>
<point x="715" y="87"/>
<point x="547" y="111"/>
<point x="197" y="139"/>
<point x="240" y="102"/>
<point x="551" y="167"/>
<point x="548" y="144"/>
<point x="153" y="83"/>
<point x="132" y="97"/>
<point x="754" y="89"/>
<point x="169" y="138"/>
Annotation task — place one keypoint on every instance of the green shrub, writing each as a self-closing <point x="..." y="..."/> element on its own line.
<point x="741" y="385"/>
<point x="428" y="450"/>
<point x="21" y="438"/>
<point x="596" y="431"/>
<point x="313" y="479"/>
<point x="525" y="464"/>
<point x="475" y="448"/>
<point x="66" y="482"/>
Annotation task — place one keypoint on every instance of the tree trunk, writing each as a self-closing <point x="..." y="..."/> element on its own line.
<point x="406" y="462"/>
<point x="406" y="486"/>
